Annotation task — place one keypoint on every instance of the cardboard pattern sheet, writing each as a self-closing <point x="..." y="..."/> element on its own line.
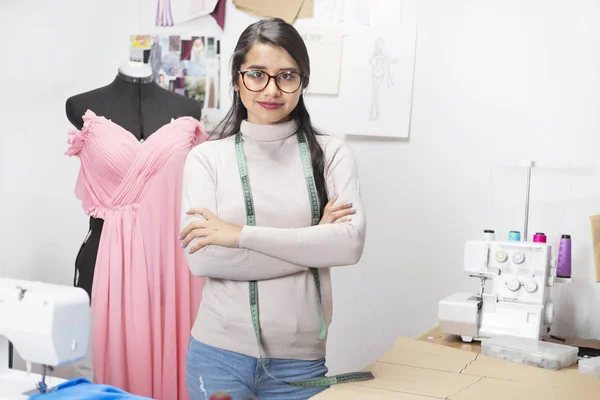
<point x="417" y="370"/>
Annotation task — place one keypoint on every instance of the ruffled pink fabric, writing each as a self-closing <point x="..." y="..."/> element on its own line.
<point x="144" y="298"/>
<point x="77" y="138"/>
<point x="197" y="133"/>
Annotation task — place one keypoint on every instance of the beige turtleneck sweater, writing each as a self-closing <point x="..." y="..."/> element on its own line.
<point x="278" y="251"/>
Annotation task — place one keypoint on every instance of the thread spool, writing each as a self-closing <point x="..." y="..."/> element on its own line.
<point x="539" y="237"/>
<point x="514" y="236"/>
<point x="563" y="268"/>
<point x="489" y="235"/>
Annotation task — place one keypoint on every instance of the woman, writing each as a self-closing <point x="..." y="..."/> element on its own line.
<point x="259" y="225"/>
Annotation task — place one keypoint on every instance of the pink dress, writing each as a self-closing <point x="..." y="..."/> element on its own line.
<point x="144" y="298"/>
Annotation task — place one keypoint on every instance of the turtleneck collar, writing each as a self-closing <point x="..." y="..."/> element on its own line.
<point x="268" y="133"/>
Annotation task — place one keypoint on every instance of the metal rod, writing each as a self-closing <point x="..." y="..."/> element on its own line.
<point x="524" y="239"/>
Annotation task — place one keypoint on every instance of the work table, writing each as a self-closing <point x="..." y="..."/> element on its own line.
<point x="439" y="366"/>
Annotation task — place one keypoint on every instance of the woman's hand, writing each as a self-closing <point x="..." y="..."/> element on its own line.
<point x="337" y="213"/>
<point x="213" y="231"/>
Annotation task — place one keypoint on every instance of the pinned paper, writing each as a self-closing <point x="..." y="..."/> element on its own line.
<point x="287" y="10"/>
<point x="307" y="10"/>
<point x="376" y="86"/>
<point x="324" y="45"/>
<point x="188" y="65"/>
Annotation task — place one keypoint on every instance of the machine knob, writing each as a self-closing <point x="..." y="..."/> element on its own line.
<point x="513" y="285"/>
<point x="530" y="286"/>
<point x="501" y="256"/>
<point x="518" y="257"/>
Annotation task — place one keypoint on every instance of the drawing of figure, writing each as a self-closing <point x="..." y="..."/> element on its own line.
<point x="380" y="62"/>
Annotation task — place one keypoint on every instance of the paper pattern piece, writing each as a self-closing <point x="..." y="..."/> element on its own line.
<point x="422" y="355"/>
<point x="419" y="370"/>
<point x="287" y="10"/>
<point x="376" y="83"/>
<point x="324" y="45"/>
<point x="503" y="389"/>
<point x="174" y="12"/>
<point x="307" y="10"/>
<point x="187" y="65"/>
<point x="418" y="381"/>
<point x="350" y="391"/>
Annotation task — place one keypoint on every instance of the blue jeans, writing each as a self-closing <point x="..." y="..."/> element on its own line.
<point x="210" y="370"/>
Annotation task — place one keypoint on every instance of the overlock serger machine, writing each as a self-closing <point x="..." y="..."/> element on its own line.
<point x="47" y="325"/>
<point x="521" y="274"/>
<point x="518" y="302"/>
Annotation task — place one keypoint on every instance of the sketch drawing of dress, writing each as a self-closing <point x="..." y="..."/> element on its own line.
<point x="381" y="71"/>
<point x="144" y="299"/>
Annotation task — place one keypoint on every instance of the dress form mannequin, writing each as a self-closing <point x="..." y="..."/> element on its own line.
<point x="139" y="105"/>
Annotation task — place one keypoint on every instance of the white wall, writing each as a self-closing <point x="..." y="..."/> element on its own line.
<point x="495" y="83"/>
<point x="49" y="52"/>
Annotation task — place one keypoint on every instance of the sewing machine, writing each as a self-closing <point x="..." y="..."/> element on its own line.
<point x="47" y="325"/>
<point x="518" y="304"/>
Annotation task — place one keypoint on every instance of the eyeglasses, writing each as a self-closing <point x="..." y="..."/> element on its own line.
<point x="257" y="80"/>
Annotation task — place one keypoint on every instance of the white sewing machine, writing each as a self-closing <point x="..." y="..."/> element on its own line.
<point x="519" y="302"/>
<point x="47" y="325"/>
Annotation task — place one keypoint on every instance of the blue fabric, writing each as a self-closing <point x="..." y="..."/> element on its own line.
<point x="82" y="389"/>
<point x="210" y="369"/>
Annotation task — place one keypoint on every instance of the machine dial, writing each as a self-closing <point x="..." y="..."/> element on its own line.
<point x="530" y="286"/>
<point x="501" y="256"/>
<point x="513" y="285"/>
<point x="518" y="257"/>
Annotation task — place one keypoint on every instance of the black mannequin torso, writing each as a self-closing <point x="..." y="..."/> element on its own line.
<point x="140" y="106"/>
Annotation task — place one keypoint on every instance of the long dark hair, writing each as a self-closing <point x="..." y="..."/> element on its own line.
<point x="277" y="32"/>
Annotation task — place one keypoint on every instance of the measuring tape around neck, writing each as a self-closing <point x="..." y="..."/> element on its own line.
<point x="251" y="221"/>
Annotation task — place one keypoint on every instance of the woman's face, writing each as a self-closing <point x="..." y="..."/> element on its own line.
<point x="270" y="105"/>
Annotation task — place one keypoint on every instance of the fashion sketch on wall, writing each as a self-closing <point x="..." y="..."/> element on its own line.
<point x="380" y="61"/>
<point x="376" y="83"/>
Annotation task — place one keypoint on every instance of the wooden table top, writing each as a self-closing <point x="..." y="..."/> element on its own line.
<point x="435" y="335"/>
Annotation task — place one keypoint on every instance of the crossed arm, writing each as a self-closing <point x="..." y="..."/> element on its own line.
<point x="218" y="249"/>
